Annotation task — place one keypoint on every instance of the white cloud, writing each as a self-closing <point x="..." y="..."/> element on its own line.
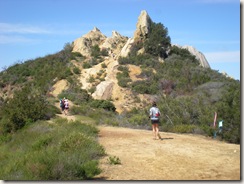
<point x="20" y="28"/>
<point x="6" y="39"/>
<point x="223" y="57"/>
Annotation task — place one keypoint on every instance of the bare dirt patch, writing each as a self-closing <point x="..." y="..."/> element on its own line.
<point x="176" y="157"/>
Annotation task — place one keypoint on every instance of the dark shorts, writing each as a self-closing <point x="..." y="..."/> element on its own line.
<point x="155" y="121"/>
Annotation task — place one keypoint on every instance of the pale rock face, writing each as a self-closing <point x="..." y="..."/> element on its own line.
<point x="203" y="61"/>
<point x="84" y="43"/>
<point x="118" y="45"/>
<point x="103" y="90"/>
<point x="142" y="26"/>
<point x="113" y="42"/>
<point x="142" y="29"/>
<point x="127" y="48"/>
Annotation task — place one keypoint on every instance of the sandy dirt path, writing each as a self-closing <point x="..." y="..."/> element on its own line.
<point x="176" y="157"/>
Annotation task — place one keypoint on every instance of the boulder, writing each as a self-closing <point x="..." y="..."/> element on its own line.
<point x="103" y="90"/>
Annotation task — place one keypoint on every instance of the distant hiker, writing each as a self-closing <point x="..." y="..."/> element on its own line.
<point x="112" y="54"/>
<point x="220" y="126"/>
<point x="61" y="102"/>
<point x="214" y="124"/>
<point x="66" y="106"/>
<point x="154" y="115"/>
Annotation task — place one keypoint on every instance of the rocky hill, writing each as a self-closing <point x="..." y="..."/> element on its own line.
<point x="118" y="46"/>
<point x="126" y="74"/>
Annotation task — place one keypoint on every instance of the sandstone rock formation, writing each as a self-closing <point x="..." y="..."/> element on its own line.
<point x="84" y="43"/>
<point x="199" y="56"/>
<point x="103" y="90"/>
<point x="117" y="45"/>
<point x="142" y="29"/>
<point x="127" y="47"/>
<point x="142" y="26"/>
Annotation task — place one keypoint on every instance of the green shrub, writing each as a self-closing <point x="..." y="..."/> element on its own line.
<point x="145" y="87"/>
<point x="27" y="106"/>
<point x="113" y="160"/>
<point x="86" y="65"/>
<point x="76" y="70"/>
<point x="104" y="65"/>
<point x="104" y="52"/>
<point x="157" y="42"/>
<point x="95" y="51"/>
<point x="184" y="128"/>
<point x="76" y="95"/>
<point x="57" y="151"/>
<point x="42" y="142"/>
<point x="105" y="104"/>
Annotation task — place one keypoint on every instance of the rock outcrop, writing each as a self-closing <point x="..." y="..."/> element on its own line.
<point x="83" y="44"/>
<point x="103" y="90"/>
<point x="127" y="47"/>
<point x="107" y="87"/>
<point x="142" y="26"/>
<point x="199" y="56"/>
<point x="142" y="29"/>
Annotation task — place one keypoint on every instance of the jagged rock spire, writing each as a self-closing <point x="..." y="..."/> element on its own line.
<point x="143" y="25"/>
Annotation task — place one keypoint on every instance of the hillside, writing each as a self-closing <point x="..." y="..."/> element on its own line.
<point x="106" y="84"/>
<point x="115" y="79"/>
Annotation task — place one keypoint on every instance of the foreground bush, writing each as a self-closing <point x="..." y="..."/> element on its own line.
<point x="58" y="151"/>
<point x="26" y="106"/>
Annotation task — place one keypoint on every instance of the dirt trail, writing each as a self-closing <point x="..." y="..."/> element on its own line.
<point x="176" y="157"/>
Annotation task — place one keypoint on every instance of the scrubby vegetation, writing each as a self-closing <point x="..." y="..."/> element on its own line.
<point x="51" y="151"/>
<point x="187" y="94"/>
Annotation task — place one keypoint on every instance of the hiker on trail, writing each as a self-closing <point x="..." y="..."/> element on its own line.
<point x="61" y="102"/>
<point x="214" y="124"/>
<point x="220" y="126"/>
<point x="154" y="115"/>
<point x="66" y="106"/>
<point x="112" y="54"/>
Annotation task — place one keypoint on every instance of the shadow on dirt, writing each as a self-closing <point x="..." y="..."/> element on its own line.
<point x="166" y="138"/>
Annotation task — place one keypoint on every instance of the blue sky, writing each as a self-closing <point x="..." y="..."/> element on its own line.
<point x="31" y="29"/>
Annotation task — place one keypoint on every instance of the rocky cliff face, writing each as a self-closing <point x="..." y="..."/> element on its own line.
<point x="203" y="61"/>
<point x="84" y="43"/>
<point x="117" y="45"/>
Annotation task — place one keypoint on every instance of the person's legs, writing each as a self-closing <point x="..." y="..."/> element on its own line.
<point x="157" y="131"/>
<point x="154" y="130"/>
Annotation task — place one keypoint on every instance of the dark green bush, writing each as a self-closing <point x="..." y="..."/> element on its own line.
<point x="76" y="70"/>
<point x="76" y="95"/>
<point x="58" y="151"/>
<point x="145" y="87"/>
<point x="95" y="51"/>
<point x="27" y="106"/>
<point x="86" y="65"/>
<point x="123" y="77"/>
<point x="105" y="104"/>
<point x="157" y="42"/>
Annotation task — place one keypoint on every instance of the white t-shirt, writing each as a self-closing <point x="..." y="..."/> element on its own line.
<point x="153" y="112"/>
<point x="221" y="124"/>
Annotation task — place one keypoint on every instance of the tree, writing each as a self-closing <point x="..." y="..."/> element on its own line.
<point x="26" y="106"/>
<point x="229" y="110"/>
<point x="158" y="42"/>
